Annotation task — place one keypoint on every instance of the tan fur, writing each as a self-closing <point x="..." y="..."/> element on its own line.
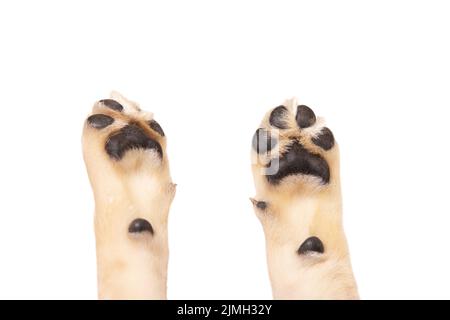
<point x="299" y="208"/>
<point x="138" y="186"/>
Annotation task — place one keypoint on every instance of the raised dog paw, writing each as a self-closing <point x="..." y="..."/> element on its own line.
<point x="124" y="133"/>
<point x="293" y="147"/>
<point x="124" y="150"/>
<point x="295" y="164"/>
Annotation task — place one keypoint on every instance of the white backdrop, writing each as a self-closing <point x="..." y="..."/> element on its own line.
<point x="378" y="71"/>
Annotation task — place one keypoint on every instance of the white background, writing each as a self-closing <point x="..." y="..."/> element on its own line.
<point x="379" y="71"/>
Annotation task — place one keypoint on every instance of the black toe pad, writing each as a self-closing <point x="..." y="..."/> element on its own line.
<point x="112" y="104"/>
<point x="325" y="139"/>
<point x="278" y="117"/>
<point x="130" y="137"/>
<point x="155" y="126"/>
<point x="298" y="160"/>
<point x="305" y="116"/>
<point x="100" y="121"/>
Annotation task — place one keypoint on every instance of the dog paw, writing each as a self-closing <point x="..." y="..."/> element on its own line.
<point x="125" y="154"/>
<point x="124" y="133"/>
<point x="295" y="164"/>
<point x="124" y="149"/>
<point x="293" y="149"/>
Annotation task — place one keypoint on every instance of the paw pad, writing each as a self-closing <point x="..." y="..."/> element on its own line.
<point x="324" y="139"/>
<point x="100" y="121"/>
<point x="311" y="245"/>
<point x="155" y="126"/>
<point x="305" y="117"/>
<point x="130" y="137"/>
<point x="112" y="104"/>
<point x="139" y="226"/>
<point x="298" y="160"/>
<point x="278" y="117"/>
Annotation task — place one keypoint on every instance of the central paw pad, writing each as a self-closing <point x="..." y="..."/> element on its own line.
<point x="130" y="137"/>
<point x="298" y="144"/>
<point x="298" y="160"/>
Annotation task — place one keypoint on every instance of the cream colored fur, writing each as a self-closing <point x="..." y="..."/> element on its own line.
<point x="138" y="186"/>
<point x="134" y="266"/>
<point x="297" y="209"/>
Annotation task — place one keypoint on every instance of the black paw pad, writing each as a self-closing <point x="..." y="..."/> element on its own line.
<point x="298" y="160"/>
<point x="139" y="226"/>
<point x="155" y="126"/>
<point x="312" y="244"/>
<point x="100" y="121"/>
<point x="112" y="104"/>
<point x="325" y="139"/>
<point x="130" y="137"/>
<point x="305" y="116"/>
<point x="263" y="142"/>
<point x="278" y="117"/>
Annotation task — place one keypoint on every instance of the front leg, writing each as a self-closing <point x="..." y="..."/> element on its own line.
<point x="295" y="163"/>
<point x="124" y="150"/>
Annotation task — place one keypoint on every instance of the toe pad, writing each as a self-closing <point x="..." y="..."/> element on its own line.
<point x="325" y="139"/>
<point x="278" y="117"/>
<point x="305" y="116"/>
<point x="100" y="121"/>
<point x="112" y="104"/>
